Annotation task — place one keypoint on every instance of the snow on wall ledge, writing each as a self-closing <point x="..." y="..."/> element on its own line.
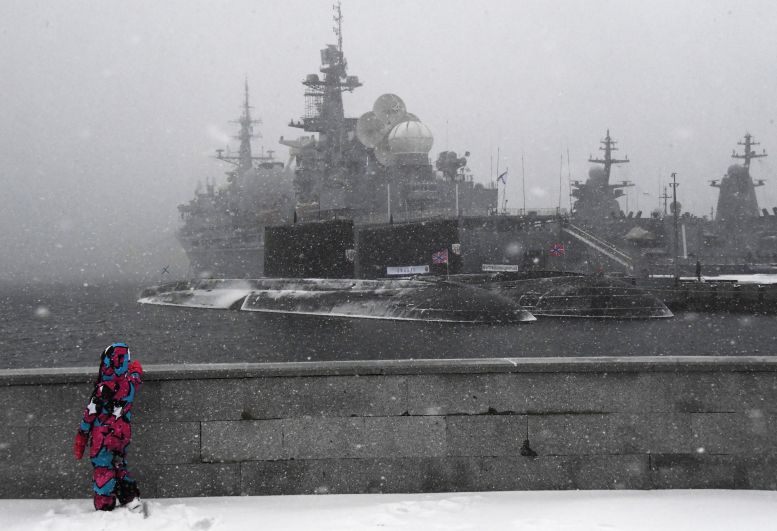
<point x="409" y="426"/>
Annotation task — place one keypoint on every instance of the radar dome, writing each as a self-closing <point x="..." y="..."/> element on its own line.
<point x="736" y="170"/>
<point x="410" y="137"/>
<point x="596" y="175"/>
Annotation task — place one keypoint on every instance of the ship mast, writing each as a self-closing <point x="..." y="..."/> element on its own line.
<point x="321" y="170"/>
<point x="608" y="161"/>
<point x="737" y="199"/>
<point x="324" y="97"/>
<point x="338" y="29"/>
<point x="749" y="153"/>
<point x="597" y="198"/>
<point x="244" y="160"/>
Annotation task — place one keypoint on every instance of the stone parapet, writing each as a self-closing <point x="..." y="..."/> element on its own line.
<point x="409" y="426"/>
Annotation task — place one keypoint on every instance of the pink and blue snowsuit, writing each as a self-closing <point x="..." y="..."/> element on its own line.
<point x="107" y="418"/>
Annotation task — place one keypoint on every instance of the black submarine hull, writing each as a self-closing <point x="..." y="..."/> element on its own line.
<point x="556" y="294"/>
<point x="432" y="300"/>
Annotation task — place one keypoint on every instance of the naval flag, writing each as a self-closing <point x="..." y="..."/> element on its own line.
<point x="440" y="257"/>
<point x="557" y="249"/>
<point x="502" y="177"/>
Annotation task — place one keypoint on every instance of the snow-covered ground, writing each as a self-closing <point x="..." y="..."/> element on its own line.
<point x="676" y="510"/>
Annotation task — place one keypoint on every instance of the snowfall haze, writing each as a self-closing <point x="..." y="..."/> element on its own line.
<point x="111" y="110"/>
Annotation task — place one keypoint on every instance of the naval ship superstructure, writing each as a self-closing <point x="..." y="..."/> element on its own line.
<point x="375" y="168"/>
<point x="598" y="195"/>
<point x="742" y="229"/>
<point x="740" y="238"/>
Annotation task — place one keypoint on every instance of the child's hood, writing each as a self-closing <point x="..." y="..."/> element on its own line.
<point x="114" y="362"/>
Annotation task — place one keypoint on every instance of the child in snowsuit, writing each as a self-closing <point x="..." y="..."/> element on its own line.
<point x="107" y="418"/>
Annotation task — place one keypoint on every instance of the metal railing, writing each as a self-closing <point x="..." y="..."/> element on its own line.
<point x="599" y="244"/>
<point x="530" y="212"/>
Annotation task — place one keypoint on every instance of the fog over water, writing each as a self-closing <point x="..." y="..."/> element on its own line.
<point x="110" y="110"/>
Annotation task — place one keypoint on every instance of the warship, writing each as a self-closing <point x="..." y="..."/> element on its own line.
<point x="740" y="238"/>
<point x="223" y="227"/>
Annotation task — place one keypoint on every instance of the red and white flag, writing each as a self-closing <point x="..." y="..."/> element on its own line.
<point x="557" y="249"/>
<point x="440" y="257"/>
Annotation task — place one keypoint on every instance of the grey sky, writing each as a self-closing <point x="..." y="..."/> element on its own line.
<point x="111" y="109"/>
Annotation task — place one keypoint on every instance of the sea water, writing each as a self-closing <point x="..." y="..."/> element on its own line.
<point x="68" y="325"/>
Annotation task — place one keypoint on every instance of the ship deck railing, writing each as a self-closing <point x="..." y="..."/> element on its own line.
<point x="448" y="213"/>
<point x="531" y="212"/>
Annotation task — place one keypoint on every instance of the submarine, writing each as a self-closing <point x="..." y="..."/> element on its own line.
<point x="567" y="294"/>
<point x="428" y="299"/>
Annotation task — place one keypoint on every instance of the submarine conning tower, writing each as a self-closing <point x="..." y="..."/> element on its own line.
<point x="737" y="200"/>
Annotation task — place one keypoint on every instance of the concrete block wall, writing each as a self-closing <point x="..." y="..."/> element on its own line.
<point x="409" y="426"/>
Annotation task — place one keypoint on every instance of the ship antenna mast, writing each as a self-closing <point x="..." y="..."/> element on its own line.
<point x="749" y="153"/>
<point x="338" y="29"/>
<point x="246" y="106"/>
<point x="608" y="147"/>
<point x="665" y="197"/>
<point x="245" y="158"/>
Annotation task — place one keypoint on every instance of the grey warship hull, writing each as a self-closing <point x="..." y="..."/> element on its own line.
<point x="224" y="261"/>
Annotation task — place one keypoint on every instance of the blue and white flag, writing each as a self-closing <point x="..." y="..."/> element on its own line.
<point x="502" y="178"/>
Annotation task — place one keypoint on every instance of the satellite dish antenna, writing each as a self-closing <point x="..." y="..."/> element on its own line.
<point x="390" y="109"/>
<point x="370" y="130"/>
<point x="396" y="119"/>
<point x="383" y="153"/>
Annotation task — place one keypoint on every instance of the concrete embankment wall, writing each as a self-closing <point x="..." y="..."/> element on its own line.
<point x="410" y="426"/>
